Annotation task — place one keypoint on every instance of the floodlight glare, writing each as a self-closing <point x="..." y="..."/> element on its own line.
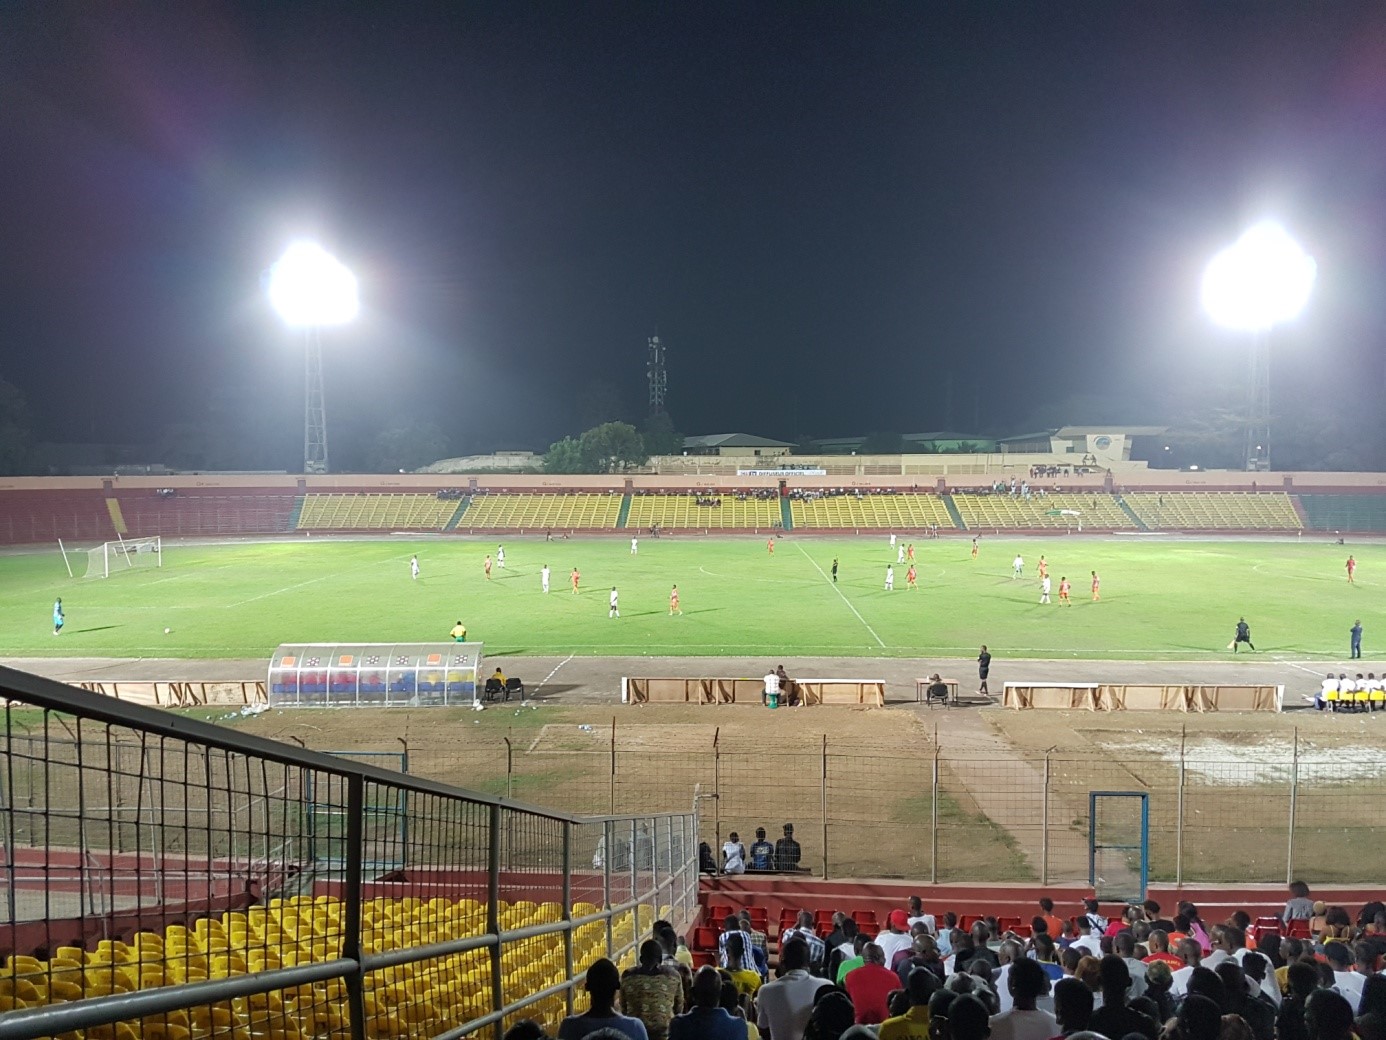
<point x="1261" y="280"/>
<point x="310" y="288"/>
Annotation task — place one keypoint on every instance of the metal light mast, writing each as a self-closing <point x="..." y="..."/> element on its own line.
<point x="657" y="375"/>
<point x="314" y="407"/>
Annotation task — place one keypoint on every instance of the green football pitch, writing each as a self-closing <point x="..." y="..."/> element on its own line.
<point x="1162" y="599"/>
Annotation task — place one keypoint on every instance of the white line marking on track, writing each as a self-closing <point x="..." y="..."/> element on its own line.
<point x="879" y="641"/>
<point x="556" y="667"/>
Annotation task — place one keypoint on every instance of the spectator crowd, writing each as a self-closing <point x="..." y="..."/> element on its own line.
<point x="1313" y="973"/>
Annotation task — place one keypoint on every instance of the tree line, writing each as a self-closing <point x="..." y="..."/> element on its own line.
<point x="613" y="447"/>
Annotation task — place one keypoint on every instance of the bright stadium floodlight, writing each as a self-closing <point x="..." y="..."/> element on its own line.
<point x="310" y="288"/>
<point x="1260" y="281"/>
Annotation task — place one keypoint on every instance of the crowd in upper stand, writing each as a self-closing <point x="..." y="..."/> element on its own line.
<point x="1313" y="973"/>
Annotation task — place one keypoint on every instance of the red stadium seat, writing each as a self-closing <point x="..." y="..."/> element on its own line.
<point x="966" y="921"/>
<point x="824" y="917"/>
<point x="760" y="918"/>
<point x="703" y="959"/>
<point x="1298" y="928"/>
<point x="718" y="912"/>
<point x="1008" y="924"/>
<point x="704" y="938"/>
<point x="866" y="920"/>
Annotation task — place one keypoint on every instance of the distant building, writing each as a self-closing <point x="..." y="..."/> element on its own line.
<point x="1083" y="445"/>
<point x="948" y="442"/>
<point x="736" y="445"/>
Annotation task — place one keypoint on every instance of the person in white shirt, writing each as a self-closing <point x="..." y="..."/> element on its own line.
<point x="500" y="557"/>
<point x="900" y="554"/>
<point x="772" y="687"/>
<point x="414" y="567"/>
<point x="783" y="1006"/>
<point x="1026" y="982"/>
<point x="635" y="546"/>
<point x="733" y="855"/>
<point x="1017" y="566"/>
<point x="1329" y="685"/>
<point x="1044" y="589"/>
<point x="1191" y="953"/>
<point x="615" y="610"/>
<point x="1124" y="946"/>
<point x="890" y="577"/>
<point x="895" y="936"/>
<point x="1348" y="980"/>
<point x="892" y="541"/>
<point x="917" y="914"/>
<point x="544" y="577"/>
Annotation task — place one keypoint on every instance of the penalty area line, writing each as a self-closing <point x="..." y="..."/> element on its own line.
<point x="879" y="641"/>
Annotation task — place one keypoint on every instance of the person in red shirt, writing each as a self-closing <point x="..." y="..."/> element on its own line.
<point x="910" y="578"/>
<point x="1096" y="587"/>
<point x="770" y="545"/>
<point x="1064" y="589"/>
<point x="1351" y="569"/>
<point x="576" y="578"/>
<point x="1158" y="942"/>
<point x="1054" y="923"/>
<point x="870" y="987"/>
<point x="1043" y="568"/>
<point x="909" y="552"/>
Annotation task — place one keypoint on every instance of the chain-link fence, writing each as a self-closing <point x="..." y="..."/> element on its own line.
<point x="162" y="879"/>
<point x="933" y="813"/>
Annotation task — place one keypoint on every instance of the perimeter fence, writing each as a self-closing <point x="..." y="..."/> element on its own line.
<point x="165" y="879"/>
<point x="934" y="813"/>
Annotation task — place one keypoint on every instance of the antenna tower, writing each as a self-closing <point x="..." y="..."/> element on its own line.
<point x="657" y="375"/>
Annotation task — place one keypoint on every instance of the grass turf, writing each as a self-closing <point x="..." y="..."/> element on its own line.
<point x="1161" y="598"/>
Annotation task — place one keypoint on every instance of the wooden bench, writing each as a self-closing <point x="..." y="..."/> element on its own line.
<point x="921" y="686"/>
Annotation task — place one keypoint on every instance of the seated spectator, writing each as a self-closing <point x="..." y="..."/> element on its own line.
<point x="1093" y="921"/>
<point x="735" y="1005"/>
<point x="1124" y="946"/>
<point x="706" y="1019"/>
<point x="870" y="986"/>
<point x="1234" y="1027"/>
<point x="831" y="1016"/>
<point x="1072" y="1007"/>
<point x="652" y="993"/>
<point x="783" y="1005"/>
<point x="913" y="1024"/>
<point x="1089" y="973"/>
<point x="1158" y="943"/>
<point x="762" y="852"/>
<point x="1371" y="1012"/>
<point x="1302" y="979"/>
<point x="981" y="936"/>
<point x="1337" y="926"/>
<point x="1199" y="1019"/>
<point x="1258" y="1014"/>
<point x="968" y="1019"/>
<point x="923" y="956"/>
<point x="895" y="936"/>
<point x="1026" y="983"/>
<point x="918" y="916"/>
<point x="1328" y="1016"/>
<point x="1345" y="980"/>
<point x="803" y="929"/>
<point x="1055" y="925"/>
<point x="1158" y="982"/>
<point x="602" y="984"/>
<point x="740" y="966"/>
<point x="1260" y="979"/>
<point x="1044" y="951"/>
<point x="844" y="950"/>
<point x="1115" y="1017"/>
<point x="852" y="963"/>
<point x="1299" y="907"/>
<point x="787" y="851"/>
<point x="1192" y="956"/>
<point x="758" y="942"/>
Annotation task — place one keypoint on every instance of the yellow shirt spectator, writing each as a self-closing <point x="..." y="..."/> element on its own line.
<point x="459" y="633"/>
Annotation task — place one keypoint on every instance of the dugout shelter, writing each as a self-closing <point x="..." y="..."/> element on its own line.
<point x="374" y="674"/>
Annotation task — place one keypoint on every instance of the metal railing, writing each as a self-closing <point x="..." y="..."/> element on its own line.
<point x="166" y="879"/>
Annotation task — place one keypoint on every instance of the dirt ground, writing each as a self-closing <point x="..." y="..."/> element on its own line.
<point x="952" y="794"/>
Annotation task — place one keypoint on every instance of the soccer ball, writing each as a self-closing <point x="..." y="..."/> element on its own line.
<point x="167" y="631"/>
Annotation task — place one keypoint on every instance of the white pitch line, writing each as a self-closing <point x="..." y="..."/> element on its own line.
<point x="879" y="641"/>
<point x="556" y="667"/>
<point x="310" y="581"/>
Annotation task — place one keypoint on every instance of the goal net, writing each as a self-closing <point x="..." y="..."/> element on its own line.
<point x="113" y="557"/>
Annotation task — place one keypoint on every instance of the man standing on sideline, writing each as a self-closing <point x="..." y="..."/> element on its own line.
<point x="1243" y="635"/>
<point x="414" y="567"/>
<point x="459" y="633"/>
<point x="1356" y="631"/>
<point x="544" y="577"/>
<point x="983" y="667"/>
<point x="635" y="546"/>
<point x="834" y="570"/>
<point x="615" y="610"/>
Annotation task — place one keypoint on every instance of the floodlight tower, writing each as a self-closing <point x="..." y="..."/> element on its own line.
<point x="311" y="289"/>
<point x="657" y="376"/>
<point x="1260" y="281"/>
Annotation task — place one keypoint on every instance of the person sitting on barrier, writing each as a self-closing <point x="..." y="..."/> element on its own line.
<point x="602" y="984"/>
<point x="762" y="852"/>
<point x="787" y="851"/>
<point x="706" y="1019"/>
<point x="651" y="992"/>
<point x="733" y="855"/>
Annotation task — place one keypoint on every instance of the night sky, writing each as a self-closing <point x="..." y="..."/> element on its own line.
<point x="840" y="217"/>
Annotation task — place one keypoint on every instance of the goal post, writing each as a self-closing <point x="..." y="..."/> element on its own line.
<point x="124" y="555"/>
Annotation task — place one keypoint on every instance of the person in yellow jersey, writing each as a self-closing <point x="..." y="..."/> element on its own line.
<point x="499" y="676"/>
<point x="459" y="633"/>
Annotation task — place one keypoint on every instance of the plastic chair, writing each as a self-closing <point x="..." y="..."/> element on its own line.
<point x="704" y="938"/>
<point x="494" y="688"/>
<point x="760" y="918"/>
<point x="822" y="917"/>
<point x="514" y="686"/>
<point x="718" y="912"/>
<point x="1298" y="928"/>
<point x="866" y="920"/>
<point x="966" y="921"/>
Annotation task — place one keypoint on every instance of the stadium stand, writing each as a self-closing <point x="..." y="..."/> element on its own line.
<point x="893" y="512"/>
<point x="362" y="512"/>
<point x="46" y="516"/>
<point x="672" y="512"/>
<point x="1215" y="511"/>
<point x="1344" y="513"/>
<point x="1094" y="511"/>
<point x="541" y="512"/>
<point x="195" y="512"/>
